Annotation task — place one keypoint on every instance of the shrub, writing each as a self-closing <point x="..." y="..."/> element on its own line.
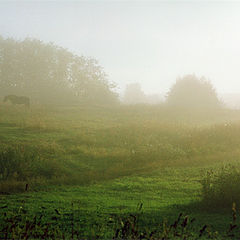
<point x="21" y="163"/>
<point x="221" y="188"/>
<point x="13" y="163"/>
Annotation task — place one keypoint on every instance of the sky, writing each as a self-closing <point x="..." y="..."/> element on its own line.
<point x="150" y="42"/>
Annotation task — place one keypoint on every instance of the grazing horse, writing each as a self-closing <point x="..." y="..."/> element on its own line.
<point x="17" y="100"/>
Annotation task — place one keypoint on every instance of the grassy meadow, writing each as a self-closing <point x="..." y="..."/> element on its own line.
<point x="92" y="172"/>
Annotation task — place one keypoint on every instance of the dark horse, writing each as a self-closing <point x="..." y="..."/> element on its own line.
<point x="17" y="100"/>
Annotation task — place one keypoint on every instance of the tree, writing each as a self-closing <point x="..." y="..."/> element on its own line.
<point x="134" y="94"/>
<point x="49" y="73"/>
<point x="193" y="92"/>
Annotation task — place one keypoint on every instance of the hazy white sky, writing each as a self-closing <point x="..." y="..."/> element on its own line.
<point x="139" y="41"/>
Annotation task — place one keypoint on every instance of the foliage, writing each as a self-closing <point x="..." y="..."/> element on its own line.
<point x="22" y="225"/>
<point x="220" y="188"/>
<point x="49" y="73"/>
<point x="13" y="164"/>
<point x="192" y="92"/>
<point x="21" y="163"/>
<point x="134" y="94"/>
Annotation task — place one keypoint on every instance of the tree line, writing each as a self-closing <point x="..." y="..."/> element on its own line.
<point x="49" y="73"/>
<point x="188" y="92"/>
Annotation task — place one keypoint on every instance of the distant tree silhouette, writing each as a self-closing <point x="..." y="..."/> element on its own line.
<point x="134" y="94"/>
<point x="192" y="92"/>
<point x="49" y="73"/>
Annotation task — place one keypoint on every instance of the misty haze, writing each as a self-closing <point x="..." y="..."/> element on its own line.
<point x="119" y="120"/>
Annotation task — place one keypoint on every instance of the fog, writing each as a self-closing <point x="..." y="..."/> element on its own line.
<point x="119" y="120"/>
<point x="151" y="43"/>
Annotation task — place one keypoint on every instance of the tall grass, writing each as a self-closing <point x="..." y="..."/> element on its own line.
<point x="21" y="165"/>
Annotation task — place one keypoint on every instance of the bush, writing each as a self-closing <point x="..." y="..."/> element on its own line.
<point x="20" y="163"/>
<point x="221" y="188"/>
<point x="13" y="164"/>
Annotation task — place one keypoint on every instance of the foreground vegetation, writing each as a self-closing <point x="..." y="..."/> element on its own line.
<point x="86" y="169"/>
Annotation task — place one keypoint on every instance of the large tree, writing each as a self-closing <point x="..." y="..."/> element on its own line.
<point x="192" y="92"/>
<point x="133" y="94"/>
<point x="49" y="73"/>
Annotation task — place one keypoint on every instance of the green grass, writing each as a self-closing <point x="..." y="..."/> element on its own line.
<point x="98" y="163"/>
<point x="163" y="194"/>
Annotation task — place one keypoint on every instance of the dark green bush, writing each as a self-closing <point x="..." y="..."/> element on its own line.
<point x="221" y="188"/>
